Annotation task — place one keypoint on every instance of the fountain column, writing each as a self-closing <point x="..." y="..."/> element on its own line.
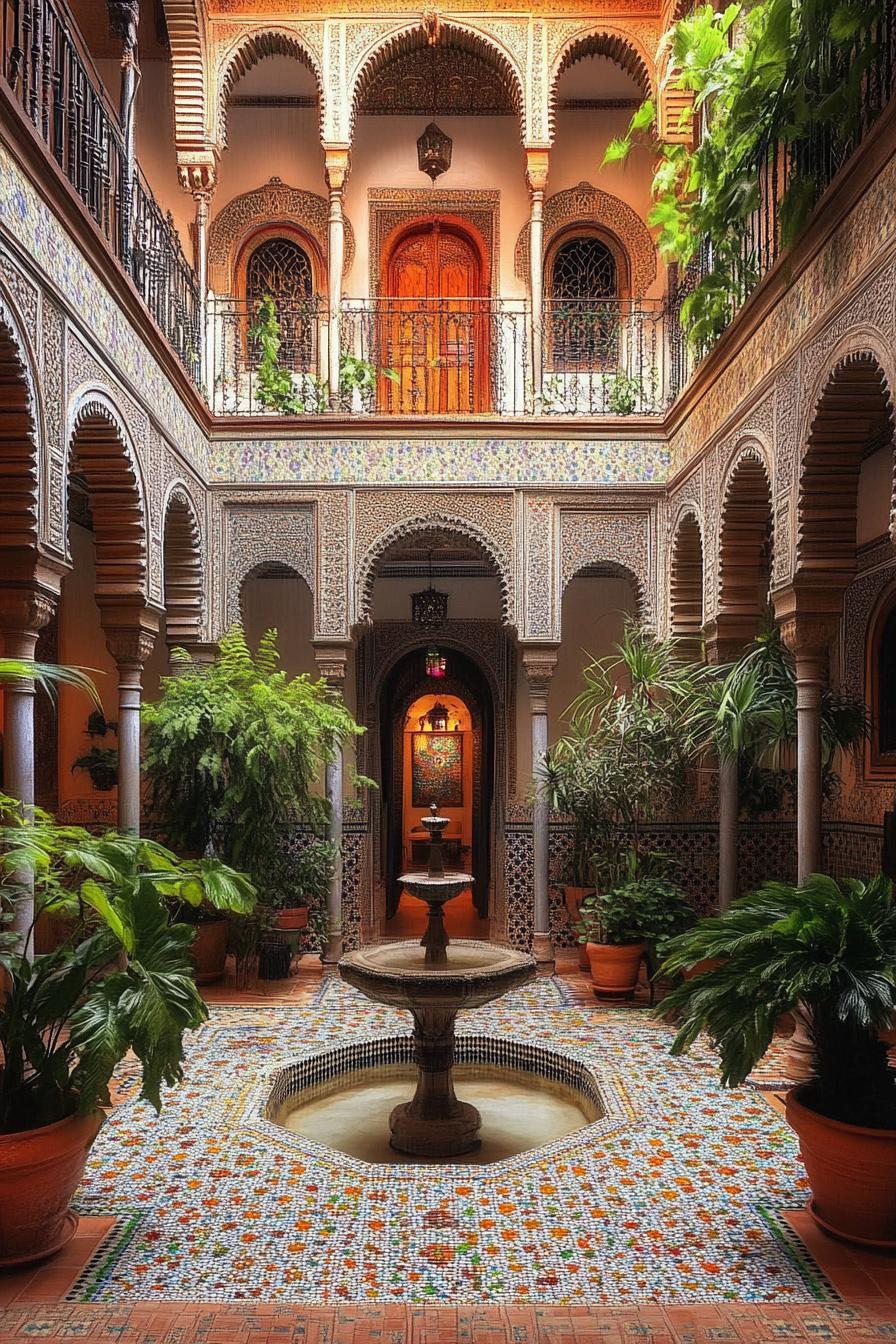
<point x="332" y="661"/>
<point x="539" y="664"/>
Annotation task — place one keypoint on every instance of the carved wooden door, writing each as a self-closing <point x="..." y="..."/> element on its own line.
<point x="435" y="326"/>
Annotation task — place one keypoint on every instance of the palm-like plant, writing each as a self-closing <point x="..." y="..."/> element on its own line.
<point x="828" y="946"/>
<point x="122" y="981"/>
<point x="47" y="676"/>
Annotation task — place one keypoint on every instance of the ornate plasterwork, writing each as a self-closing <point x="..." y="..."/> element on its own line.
<point x="623" y="541"/>
<point x="631" y="45"/>
<point x="542" y="616"/>
<point x="274" y="204"/>
<point x="256" y="536"/>
<point x="383" y="517"/>
<point x="19" y="389"/>
<point x="585" y="204"/>
<point x="391" y="207"/>
<point x="465" y="84"/>
<point x="236" y="47"/>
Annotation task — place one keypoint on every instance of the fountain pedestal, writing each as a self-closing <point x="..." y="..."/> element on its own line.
<point x="435" y="985"/>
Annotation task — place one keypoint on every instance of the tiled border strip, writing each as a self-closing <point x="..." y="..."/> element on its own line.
<point x="105" y="1257"/>
<point x="798" y="1252"/>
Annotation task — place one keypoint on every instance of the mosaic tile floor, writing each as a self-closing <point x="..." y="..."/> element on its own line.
<point x="681" y="1199"/>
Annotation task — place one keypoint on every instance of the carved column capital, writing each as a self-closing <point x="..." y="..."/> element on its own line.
<point x="539" y="664"/>
<point x="25" y="608"/>
<point x="130" y="635"/>
<point x="337" y="162"/>
<point x="197" y="173"/>
<point x="124" y="17"/>
<point x="808" y="636"/>
<point x="332" y="664"/>
<point x="537" y="167"/>
<point x="723" y="643"/>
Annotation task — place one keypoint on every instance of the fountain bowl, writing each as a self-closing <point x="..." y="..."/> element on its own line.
<point x="475" y="973"/>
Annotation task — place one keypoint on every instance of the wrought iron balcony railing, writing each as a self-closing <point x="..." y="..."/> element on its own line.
<point x="460" y="357"/>
<point x="46" y="65"/>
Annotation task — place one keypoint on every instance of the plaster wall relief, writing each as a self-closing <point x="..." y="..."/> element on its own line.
<point x="333" y="614"/>
<point x="851" y="282"/>
<point x="586" y="204"/>
<point x="35" y="245"/>
<point x="622" y="540"/>
<point x="273" y="204"/>
<point x="23" y="363"/>
<point x="689" y="496"/>
<point x="542" y="611"/>
<point x="256" y="535"/>
<point x="54" y="511"/>
<point x="382" y="517"/>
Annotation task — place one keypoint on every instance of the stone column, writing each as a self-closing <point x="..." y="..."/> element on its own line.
<point x="130" y="645"/>
<point x="722" y="648"/>
<point x="331" y="662"/>
<point x="808" y="639"/>
<point x="536" y="177"/>
<point x="199" y="179"/>
<point x="24" y="611"/>
<point x="539" y="664"/>
<point x="337" y="163"/>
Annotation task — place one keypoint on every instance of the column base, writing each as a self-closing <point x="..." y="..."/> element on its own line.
<point x="543" y="952"/>
<point x="332" y="953"/>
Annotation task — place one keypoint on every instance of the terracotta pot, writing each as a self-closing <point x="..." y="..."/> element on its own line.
<point x="292" y="917"/>
<point x="52" y="930"/>
<point x="39" y="1172"/>
<point x="615" y="968"/>
<point x="208" y="951"/>
<point x="852" y="1172"/>
<point x="573" y="898"/>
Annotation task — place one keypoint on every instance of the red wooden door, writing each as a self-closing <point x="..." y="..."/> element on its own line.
<point x="435" y="325"/>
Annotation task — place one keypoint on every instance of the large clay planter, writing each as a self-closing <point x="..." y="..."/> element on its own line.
<point x="293" y="917"/>
<point x="700" y="967"/>
<point x="615" y="968"/>
<point x="208" y="951"/>
<point x="39" y="1172"/>
<point x="852" y="1172"/>
<point x="573" y="898"/>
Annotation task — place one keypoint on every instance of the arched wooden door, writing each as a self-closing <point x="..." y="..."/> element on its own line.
<point x="435" y="323"/>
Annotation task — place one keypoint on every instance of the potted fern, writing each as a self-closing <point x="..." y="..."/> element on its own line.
<point x="120" y="982"/>
<point x="829" y="948"/>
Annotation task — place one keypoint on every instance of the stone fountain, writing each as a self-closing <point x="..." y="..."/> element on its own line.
<point x="434" y="980"/>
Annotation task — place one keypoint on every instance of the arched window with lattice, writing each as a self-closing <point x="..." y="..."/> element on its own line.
<point x="582" y="302"/>
<point x="279" y="268"/>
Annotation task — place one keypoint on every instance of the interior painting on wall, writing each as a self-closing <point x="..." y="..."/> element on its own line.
<point x="437" y="769"/>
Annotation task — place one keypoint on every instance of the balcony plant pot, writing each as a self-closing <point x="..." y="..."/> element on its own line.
<point x="40" y="1169"/>
<point x="852" y="1172"/>
<point x="208" y="951"/>
<point x="292" y="917"/>
<point x="615" y="968"/>
<point x="573" y="898"/>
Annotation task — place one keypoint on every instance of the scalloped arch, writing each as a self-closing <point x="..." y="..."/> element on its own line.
<point x="585" y="204"/>
<point x="272" y="204"/>
<point x="617" y="45"/>
<point x="186" y="36"/>
<point x="410" y="527"/>
<point x="23" y="469"/>
<point x="746" y="528"/>
<point x="183" y="589"/>
<point x="412" y="37"/>
<point x="686" y="579"/>
<point x="252" y="47"/>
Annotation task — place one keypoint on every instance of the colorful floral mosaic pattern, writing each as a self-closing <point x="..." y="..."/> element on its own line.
<point x="677" y="1201"/>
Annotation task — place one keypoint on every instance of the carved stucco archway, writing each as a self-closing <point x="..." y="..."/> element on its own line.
<point x="101" y="450"/>
<point x="183" y="591"/>
<point x="266" y="207"/>
<point x="251" y="47"/>
<point x="745" y="543"/>
<point x="436" y="522"/>
<point x="620" y="543"/>
<point x="256" y="536"/>
<point x="686" y="570"/>
<point x="22" y="443"/>
<point x="415" y="36"/>
<point x="588" y="205"/>
<point x="619" y="46"/>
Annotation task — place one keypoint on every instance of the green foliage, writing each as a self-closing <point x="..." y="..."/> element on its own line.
<point x="795" y="76"/>
<point x="646" y="909"/>
<point x="280" y="389"/>
<point x="826" y="947"/>
<point x="48" y="676"/>
<point x="635" y="728"/>
<point x="122" y="981"/>
<point x="235" y="750"/>
<point x="101" y="764"/>
<point x="622" y="397"/>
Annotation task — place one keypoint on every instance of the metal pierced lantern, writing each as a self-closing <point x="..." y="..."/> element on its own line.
<point x="437" y="718"/>
<point x="434" y="151"/>
<point x="429" y="608"/>
<point x="436" y="663"/>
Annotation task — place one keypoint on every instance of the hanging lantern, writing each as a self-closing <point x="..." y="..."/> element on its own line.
<point x="434" y="151"/>
<point x="429" y="608"/>
<point x="435" y="663"/>
<point x="437" y="718"/>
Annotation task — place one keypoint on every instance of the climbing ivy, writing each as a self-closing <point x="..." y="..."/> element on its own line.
<point x="797" y="74"/>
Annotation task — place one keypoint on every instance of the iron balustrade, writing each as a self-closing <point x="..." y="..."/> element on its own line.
<point x="605" y="357"/>
<point x="459" y="356"/>
<point x="48" y="69"/>
<point x="818" y="157"/>
<point x="234" y="384"/>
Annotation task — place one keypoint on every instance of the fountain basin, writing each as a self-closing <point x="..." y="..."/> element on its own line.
<point x="530" y="1097"/>
<point x="398" y="974"/>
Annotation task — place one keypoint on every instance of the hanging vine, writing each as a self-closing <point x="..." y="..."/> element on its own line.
<point x="803" y="76"/>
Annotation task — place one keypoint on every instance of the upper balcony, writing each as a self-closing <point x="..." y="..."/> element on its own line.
<point x="471" y="302"/>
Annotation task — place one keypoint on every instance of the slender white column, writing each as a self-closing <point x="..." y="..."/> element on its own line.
<point x="539" y="665"/>
<point x="337" y="171"/>
<point x="811" y="669"/>
<point x="332" y="664"/>
<point x="24" y="611"/>
<point x="537" y="176"/>
<point x="729" y="806"/>
<point x="130" y="646"/>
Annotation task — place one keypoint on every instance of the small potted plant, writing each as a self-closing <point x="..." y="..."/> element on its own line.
<point x="101" y="764"/>
<point x="628" y="922"/>
<point x="121" y="982"/>
<point x="301" y="883"/>
<point x="829" y="949"/>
